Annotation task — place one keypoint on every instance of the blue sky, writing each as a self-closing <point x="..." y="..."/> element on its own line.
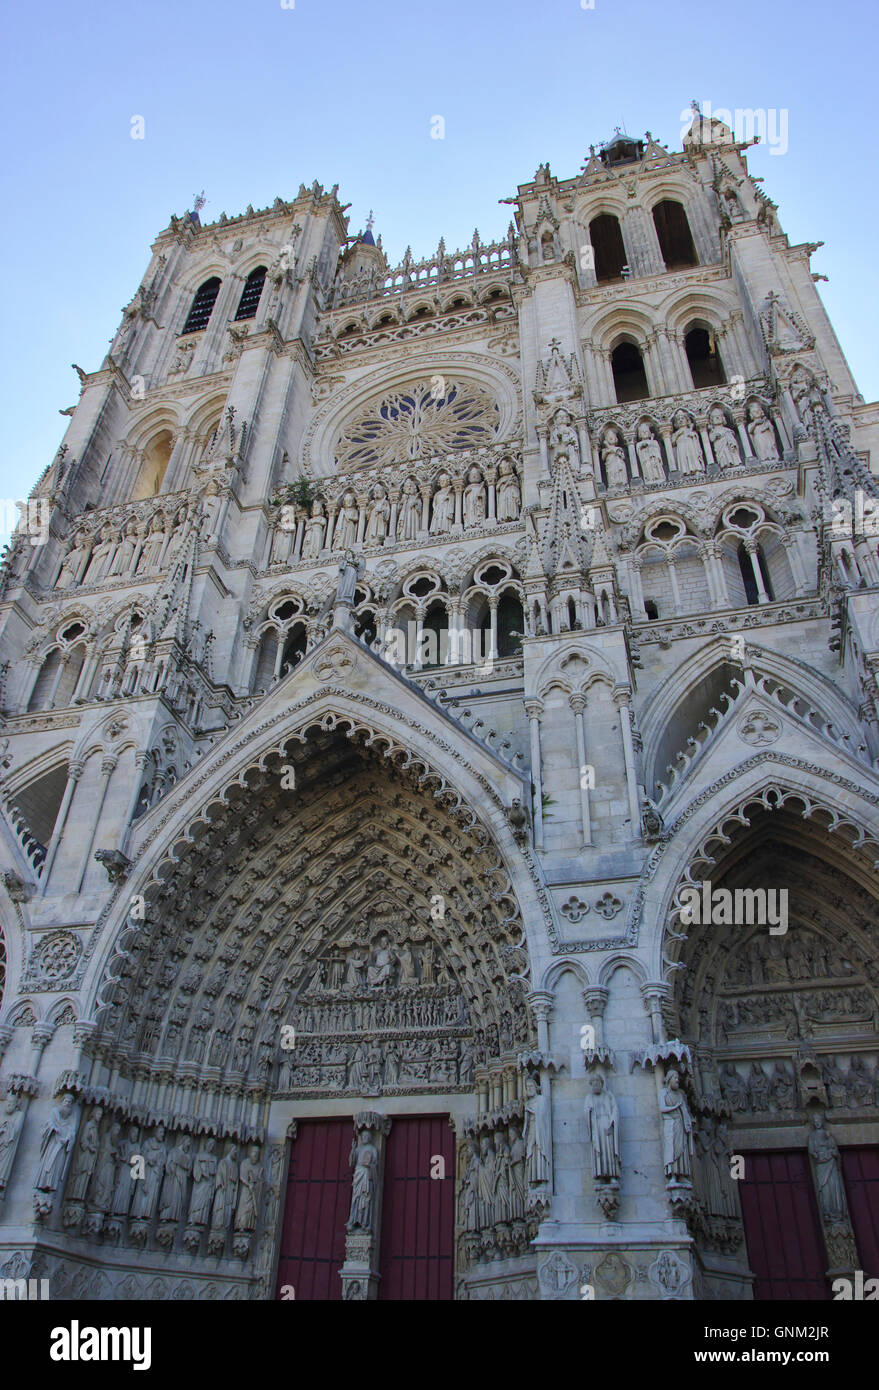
<point x="247" y="100"/>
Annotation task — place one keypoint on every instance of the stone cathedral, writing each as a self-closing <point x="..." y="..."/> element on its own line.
<point x="439" y="766"/>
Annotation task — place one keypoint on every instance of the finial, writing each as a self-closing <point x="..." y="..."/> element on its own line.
<point x="370" y="221"/>
<point x="198" y="201"/>
<point x="695" y="108"/>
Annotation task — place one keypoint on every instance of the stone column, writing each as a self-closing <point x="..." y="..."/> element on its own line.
<point x="359" y="1273"/>
<point x="534" y="709"/>
<point x="751" y="549"/>
<point x="74" y="772"/>
<point x="595" y="998"/>
<point x="621" y="698"/>
<point x="107" y="767"/>
<point x="541" y="1001"/>
<point x="636" y="591"/>
<point x="578" y="705"/>
<point x="141" y="759"/>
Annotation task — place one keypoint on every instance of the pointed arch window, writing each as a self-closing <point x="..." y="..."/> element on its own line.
<point x="675" y="237"/>
<point x="202" y="305"/>
<point x="629" y="376"/>
<point x="706" y="368"/>
<point x="607" y="243"/>
<point x="250" y="295"/>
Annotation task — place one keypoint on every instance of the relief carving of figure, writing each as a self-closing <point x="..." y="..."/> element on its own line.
<point x="564" y="440"/>
<point x="761" y="432"/>
<point x="152" y="546"/>
<point x="55" y="1145"/>
<point x="687" y="448"/>
<point x="146" y="1189"/>
<point x="10" y="1128"/>
<point x="86" y="1157"/>
<point x="538" y="1132"/>
<point x="649" y="455"/>
<point x="250" y="1179"/>
<point x="364" y="1160"/>
<point x="177" y="1170"/>
<point x="345" y="534"/>
<point x="74" y="562"/>
<point x="124" y="1192"/>
<point x="518" y="1177"/>
<point x="226" y="1190"/>
<point x="469" y="1199"/>
<point x="104" y="1181"/>
<point x="603" y="1129"/>
<point x="723" y="440"/>
<point x="204" y="1172"/>
<point x="409" y="520"/>
<point x="381" y="967"/>
<point x="486" y="1182"/>
<point x="125" y="552"/>
<point x="677" y="1129"/>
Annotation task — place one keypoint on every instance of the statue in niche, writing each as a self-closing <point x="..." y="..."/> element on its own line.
<point x="518" y="1182"/>
<point x="346" y="585"/>
<point x="409" y="521"/>
<point x="503" y="1196"/>
<point x="603" y="1129"/>
<point x="466" y="1065"/>
<point x="226" y="1190"/>
<point x="538" y="1132"/>
<point x="408" y="975"/>
<point x="177" y="1170"/>
<point x="10" y="1128"/>
<point x="314" y="531"/>
<point x="354" y="968"/>
<point x="379" y="514"/>
<point x="55" y="1145"/>
<point x="392" y="1066"/>
<point x="469" y="1199"/>
<point x="761" y="432"/>
<point x="363" y="1158"/>
<point x="101" y="555"/>
<point x="443" y="506"/>
<point x="250" y="1179"/>
<point x="758" y="1088"/>
<point x="357" y="1073"/>
<point x="428" y="953"/>
<point x="474" y="499"/>
<point x="380" y="969"/>
<point x="781" y="1088"/>
<point x="146" y="1189"/>
<point x="687" y="448"/>
<point x="104" y="1181"/>
<point x="345" y="534"/>
<point x="723" y="440"/>
<point x="677" y="1130"/>
<point x="125" y="552"/>
<point x="152" y="546"/>
<point x="485" y="1186"/>
<point x="124" y="1192"/>
<point x="861" y="1083"/>
<point x="614" y="459"/>
<point x="649" y="454"/>
<point x="86" y="1157"/>
<point x="509" y="495"/>
<point x="564" y="440"/>
<point x="74" y="562"/>
<point x="204" y="1172"/>
<point x="824" y="1152"/>
<point x="721" y="1148"/>
<point x="835" y="1081"/>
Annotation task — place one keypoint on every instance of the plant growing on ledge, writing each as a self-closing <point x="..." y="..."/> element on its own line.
<point x="303" y="492"/>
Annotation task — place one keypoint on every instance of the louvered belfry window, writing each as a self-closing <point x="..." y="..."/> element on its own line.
<point x="202" y="306"/>
<point x="249" y="301"/>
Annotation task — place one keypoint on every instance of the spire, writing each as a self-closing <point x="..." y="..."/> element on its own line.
<point x="367" y="238"/>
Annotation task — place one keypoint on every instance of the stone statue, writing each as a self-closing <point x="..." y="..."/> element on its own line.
<point x="687" y="448"/>
<point x="474" y="499"/>
<point x="761" y="432"/>
<point x="379" y="514"/>
<point x="74" y="562"/>
<point x="614" y="459"/>
<point x="125" y="552"/>
<point x="538" y="1133"/>
<point x="409" y="520"/>
<point x="204" y="1172"/>
<point x="469" y="1202"/>
<point x="226" y="1189"/>
<point x="125" y="1181"/>
<point x="486" y="1181"/>
<point x="379" y="971"/>
<point x="564" y="440"/>
<point x="146" y="1189"/>
<point x="345" y="534"/>
<point x="677" y="1130"/>
<point x="603" y="1129"/>
<point x="518" y="1178"/>
<point x="152" y="546"/>
<point x="86" y="1157"/>
<point x="723" y="440"/>
<point x="364" y="1160"/>
<point x="347" y="581"/>
<point x="177" y="1170"/>
<point x="55" y="1145"/>
<point x="314" y="531"/>
<point x="10" y="1128"/>
<point x="503" y="1205"/>
<point x="509" y="495"/>
<point x="248" y="1191"/>
<point x="824" y="1152"/>
<point x="101" y="555"/>
<point x="443" y="506"/>
<point x="104" y="1181"/>
<point x="649" y="455"/>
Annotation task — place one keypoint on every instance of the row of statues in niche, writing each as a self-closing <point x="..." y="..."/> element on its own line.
<point x="682" y="449"/>
<point x="424" y="1009"/>
<point x="390" y="515"/>
<point x="368" y="1067"/>
<point x="764" y="962"/>
<point x="756" y="1092"/>
<point x="380" y="965"/>
<point x="797" y="1010"/>
<point x="127" y="1174"/>
<point x="119" y="550"/>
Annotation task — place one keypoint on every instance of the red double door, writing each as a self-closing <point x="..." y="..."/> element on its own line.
<point x="418" y="1210"/>
<point x="783" y="1228"/>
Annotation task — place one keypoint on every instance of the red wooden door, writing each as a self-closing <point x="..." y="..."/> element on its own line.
<point x="317" y="1206"/>
<point x="418" y="1211"/>
<point x="860" y="1173"/>
<point x="782" y="1227"/>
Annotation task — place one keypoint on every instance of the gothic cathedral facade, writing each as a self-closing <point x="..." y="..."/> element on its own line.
<point x="440" y="766"/>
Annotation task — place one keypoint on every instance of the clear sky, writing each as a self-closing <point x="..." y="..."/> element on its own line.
<point x="246" y="99"/>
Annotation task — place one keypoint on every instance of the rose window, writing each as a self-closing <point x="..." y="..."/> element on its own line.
<point x="434" y="417"/>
